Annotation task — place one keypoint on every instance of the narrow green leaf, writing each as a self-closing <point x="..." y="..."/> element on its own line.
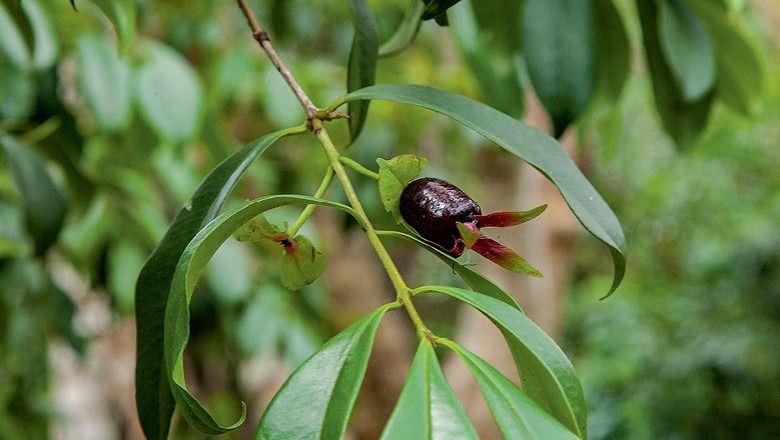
<point x="191" y="265"/>
<point x="168" y="93"/>
<point x="259" y="228"/>
<point x="406" y="32"/>
<point x="427" y="407"/>
<point x="614" y="50"/>
<point x="121" y="13"/>
<point x="687" y="48"/>
<point x="515" y="413"/>
<point x="474" y="279"/>
<point x="394" y="175"/>
<point x="154" y="400"/>
<point x="541" y="151"/>
<point x="361" y="68"/>
<point x="302" y="264"/>
<point x="559" y="45"/>
<point x="682" y="120"/>
<point x="14" y="40"/>
<point x="104" y="80"/>
<point x="317" y="399"/>
<point x="44" y="53"/>
<point x="44" y="202"/>
<point x="547" y="374"/>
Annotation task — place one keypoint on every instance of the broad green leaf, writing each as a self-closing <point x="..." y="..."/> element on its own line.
<point x="687" y="48"/>
<point x="740" y="74"/>
<point x="614" y="50"/>
<point x="394" y="175"/>
<point x="168" y="93"/>
<point x="104" y="79"/>
<point x="474" y="279"/>
<point x="361" y="68"/>
<point x="45" y="204"/>
<point x="259" y="228"/>
<point x="682" y="120"/>
<point x="302" y="264"/>
<point x="538" y="149"/>
<point x="121" y="13"/>
<point x="559" y="45"/>
<point x="406" y="32"/>
<point x="317" y="399"/>
<point x="154" y="400"/>
<point x="515" y="413"/>
<point x="427" y="408"/>
<point x="547" y="374"/>
<point x="13" y="40"/>
<point x="192" y="263"/>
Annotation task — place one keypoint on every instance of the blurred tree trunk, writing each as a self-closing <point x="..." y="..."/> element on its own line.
<point x="545" y="242"/>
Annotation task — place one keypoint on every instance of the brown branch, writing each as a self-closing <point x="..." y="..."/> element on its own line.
<point x="261" y="36"/>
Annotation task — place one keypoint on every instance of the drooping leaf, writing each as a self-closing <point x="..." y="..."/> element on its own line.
<point x="547" y="374"/>
<point x="427" y="407"/>
<point x="614" y="50"/>
<point x="394" y="175"/>
<point x="539" y="150"/>
<point x="503" y="256"/>
<point x="154" y="400"/>
<point x="317" y="399"/>
<point x="104" y="80"/>
<point x="687" y="48"/>
<point x="406" y="32"/>
<point x="168" y="93"/>
<point x="559" y="46"/>
<point x="302" y="263"/>
<point x="682" y="120"/>
<point x="45" y="204"/>
<point x="474" y="279"/>
<point x="259" y="228"/>
<point x="503" y="219"/>
<point x="121" y="13"/>
<point x="514" y="412"/>
<point x="191" y="265"/>
<point x="361" y="68"/>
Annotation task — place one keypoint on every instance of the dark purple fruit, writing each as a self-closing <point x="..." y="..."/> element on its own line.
<point x="432" y="207"/>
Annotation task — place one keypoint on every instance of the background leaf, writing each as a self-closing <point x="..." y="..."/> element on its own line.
<point x="614" y="49"/>
<point x="406" y="30"/>
<point x="317" y="399"/>
<point x="547" y="374"/>
<point x="154" y="400"/>
<point x="121" y="13"/>
<point x="361" y="68"/>
<point x="15" y="37"/>
<point x="531" y="145"/>
<point x="427" y="407"/>
<point x="104" y="80"/>
<point x="558" y="44"/>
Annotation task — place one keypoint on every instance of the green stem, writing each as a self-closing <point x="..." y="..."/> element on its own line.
<point x="359" y="168"/>
<point x="309" y="209"/>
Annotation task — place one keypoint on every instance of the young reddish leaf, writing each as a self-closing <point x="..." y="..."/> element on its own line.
<point x="259" y="228"/>
<point x="302" y="263"/>
<point x="468" y="232"/>
<point x="504" y="257"/>
<point x="504" y="219"/>
<point x="394" y="175"/>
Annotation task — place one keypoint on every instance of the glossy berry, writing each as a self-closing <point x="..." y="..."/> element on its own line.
<point x="432" y="207"/>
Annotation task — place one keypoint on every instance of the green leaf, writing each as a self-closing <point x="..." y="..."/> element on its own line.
<point x="104" y="79"/>
<point x="436" y="9"/>
<point x="15" y="37"/>
<point x="192" y="263"/>
<point x="17" y="92"/>
<point x="394" y="175"/>
<point x="614" y="50"/>
<point x="361" y="68"/>
<point x="44" y="202"/>
<point x="474" y="279"/>
<point x="514" y="412"/>
<point x="168" y="93"/>
<point x="559" y="45"/>
<point x="121" y="13"/>
<point x="687" y="48"/>
<point x="468" y="235"/>
<point x="44" y="53"/>
<point x="317" y="399"/>
<point x="541" y="151"/>
<point x="259" y="228"/>
<point x="547" y="374"/>
<point x="427" y="407"/>
<point x="406" y="32"/>
<point x="154" y="400"/>
<point x="302" y="264"/>
<point x="740" y="73"/>
<point x="682" y="120"/>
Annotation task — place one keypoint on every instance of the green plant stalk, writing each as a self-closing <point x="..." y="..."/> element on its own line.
<point x="359" y="168"/>
<point x="309" y="209"/>
<point x="403" y="292"/>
